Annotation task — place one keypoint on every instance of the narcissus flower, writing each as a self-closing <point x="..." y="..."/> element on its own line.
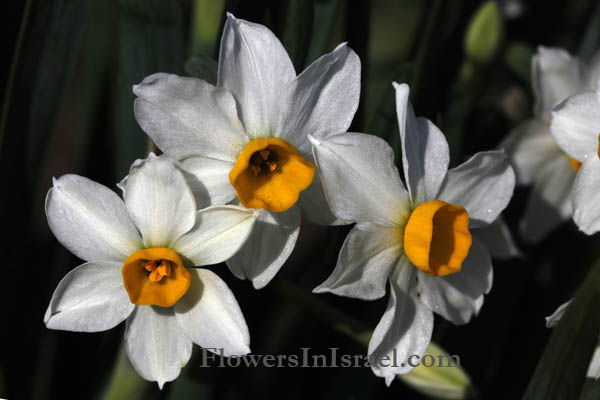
<point x="141" y="265"/>
<point x="537" y="159"/>
<point x="422" y="241"/>
<point x="576" y="128"/>
<point x="245" y="139"/>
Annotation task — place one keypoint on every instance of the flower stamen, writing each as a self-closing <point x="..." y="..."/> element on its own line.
<point x="263" y="161"/>
<point x="158" y="269"/>
<point x="270" y="173"/>
<point x="155" y="276"/>
<point x="437" y="237"/>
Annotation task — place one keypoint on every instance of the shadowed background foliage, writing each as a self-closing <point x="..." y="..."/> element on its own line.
<point x="68" y="108"/>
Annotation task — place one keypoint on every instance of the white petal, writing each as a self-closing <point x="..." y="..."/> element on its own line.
<point x="593" y="72"/>
<point x="529" y="146"/>
<point x="90" y="220"/>
<point x="156" y="345"/>
<point x="498" y="240"/>
<point x="219" y="232"/>
<point x="269" y="245"/>
<point x="255" y="67"/>
<point x="457" y="297"/>
<point x="586" y="196"/>
<point x="403" y="331"/>
<point x="90" y="298"/>
<point x="323" y="99"/>
<point x="555" y="75"/>
<point x="209" y="180"/>
<point x="575" y="125"/>
<point x="483" y="185"/>
<point x="425" y="154"/>
<point x="159" y="201"/>
<point x="554" y="319"/>
<point x="211" y="317"/>
<point x="360" y="179"/>
<point x="314" y="206"/>
<point x="366" y="259"/>
<point x="549" y="202"/>
<point x="594" y="368"/>
<point x="187" y="116"/>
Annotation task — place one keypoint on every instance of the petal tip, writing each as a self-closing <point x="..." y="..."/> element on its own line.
<point x="389" y="379"/>
<point x="313" y="140"/>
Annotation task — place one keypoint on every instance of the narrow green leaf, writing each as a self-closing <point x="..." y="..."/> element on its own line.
<point x="152" y="39"/>
<point x="125" y="382"/>
<point x="591" y="390"/>
<point x="560" y="373"/>
<point x="591" y="38"/>
<point x="325" y="15"/>
<point x="13" y="69"/>
<point x="424" y="46"/>
<point x="297" y="30"/>
<point x="202" y="67"/>
<point x="62" y="44"/>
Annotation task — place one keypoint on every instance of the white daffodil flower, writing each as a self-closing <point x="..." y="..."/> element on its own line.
<point x="246" y="137"/>
<point x="576" y="126"/>
<point x="141" y="256"/>
<point x="419" y="240"/>
<point x="552" y="321"/>
<point x="537" y="159"/>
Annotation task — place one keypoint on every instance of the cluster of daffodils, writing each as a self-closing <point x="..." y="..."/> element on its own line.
<point x="540" y="159"/>
<point x="242" y="162"/>
<point x="575" y="126"/>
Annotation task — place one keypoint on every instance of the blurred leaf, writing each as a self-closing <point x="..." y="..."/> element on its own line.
<point x="560" y="373"/>
<point x="45" y="55"/>
<point x="326" y="12"/>
<point x="13" y="69"/>
<point x="591" y="38"/>
<point x="125" y="383"/>
<point x="186" y="388"/>
<point x="202" y="67"/>
<point x="485" y="33"/>
<point x="439" y="382"/>
<point x="62" y="45"/>
<point x="206" y="21"/>
<point x="591" y="390"/>
<point x="518" y="58"/>
<point x="297" y="30"/>
<point x="152" y="39"/>
<point x="434" y="15"/>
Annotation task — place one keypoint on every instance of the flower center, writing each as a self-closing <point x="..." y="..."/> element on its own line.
<point x="270" y="173"/>
<point x="575" y="165"/>
<point x="437" y="237"/>
<point x="155" y="276"/>
<point x="158" y="269"/>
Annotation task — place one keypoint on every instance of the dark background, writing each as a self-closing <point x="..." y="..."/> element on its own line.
<point x="68" y="108"/>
